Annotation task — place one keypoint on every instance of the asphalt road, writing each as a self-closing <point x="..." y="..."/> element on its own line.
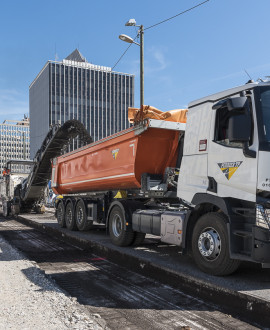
<point x="250" y="279"/>
<point x="123" y="298"/>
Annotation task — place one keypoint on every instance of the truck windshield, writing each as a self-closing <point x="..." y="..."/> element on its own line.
<point x="262" y="96"/>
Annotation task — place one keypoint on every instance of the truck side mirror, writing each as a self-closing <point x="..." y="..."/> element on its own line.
<point x="237" y="103"/>
<point x="232" y="103"/>
<point x="239" y="128"/>
<point x="239" y="122"/>
<point x="239" y="125"/>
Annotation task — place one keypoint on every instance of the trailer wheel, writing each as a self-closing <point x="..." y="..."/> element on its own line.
<point x="210" y="245"/>
<point x="81" y="217"/>
<point x="60" y="214"/>
<point x="69" y="217"/>
<point x="117" y="231"/>
<point x="138" y="238"/>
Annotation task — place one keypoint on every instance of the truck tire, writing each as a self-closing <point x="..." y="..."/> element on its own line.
<point x="138" y="238"/>
<point x="81" y="217"/>
<point x="60" y="214"/>
<point x="210" y="245"/>
<point x="69" y="217"/>
<point x="117" y="231"/>
<point x="6" y="208"/>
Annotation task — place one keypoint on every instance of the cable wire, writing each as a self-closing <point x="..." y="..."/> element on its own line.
<point x="149" y="27"/>
<point x="183" y="12"/>
<point x="121" y="56"/>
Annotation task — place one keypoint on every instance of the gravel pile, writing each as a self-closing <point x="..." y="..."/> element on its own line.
<point x="30" y="300"/>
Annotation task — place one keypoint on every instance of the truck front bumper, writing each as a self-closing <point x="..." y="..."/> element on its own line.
<point x="261" y="245"/>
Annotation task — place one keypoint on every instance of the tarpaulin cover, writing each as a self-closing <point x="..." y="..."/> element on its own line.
<point x="135" y="115"/>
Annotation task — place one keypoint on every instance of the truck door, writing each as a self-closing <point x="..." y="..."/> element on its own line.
<point x="231" y="173"/>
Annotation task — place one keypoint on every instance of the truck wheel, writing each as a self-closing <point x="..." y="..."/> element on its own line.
<point x="60" y="214"/>
<point x="6" y="208"/>
<point x="81" y="217"/>
<point x="138" y="238"/>
<point x="117" y="231"/>
<point x="210" y="245"/>
<point x="69" y="217"/>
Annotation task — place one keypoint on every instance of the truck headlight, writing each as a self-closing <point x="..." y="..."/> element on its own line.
<point x="262" y="216"/>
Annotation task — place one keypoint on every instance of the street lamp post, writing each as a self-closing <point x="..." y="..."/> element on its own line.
<point x="141" y="66"/>
<point x="128" y="39"/>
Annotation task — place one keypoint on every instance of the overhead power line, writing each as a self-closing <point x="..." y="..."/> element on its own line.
<point x="183" y="12"/>
<point x="149" y="27"/>
<point x="120" y="58"/>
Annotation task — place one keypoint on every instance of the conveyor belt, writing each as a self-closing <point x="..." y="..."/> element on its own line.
<point x="57" y="138"/>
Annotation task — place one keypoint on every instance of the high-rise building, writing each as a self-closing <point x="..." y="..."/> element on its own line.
<point x="76" y="89"/>
<point x="14" y="141"/>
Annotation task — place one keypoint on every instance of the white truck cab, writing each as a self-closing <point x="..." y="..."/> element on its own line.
<point x="225" y="175"/>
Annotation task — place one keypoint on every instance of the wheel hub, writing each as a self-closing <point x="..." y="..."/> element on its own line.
<point x="69" y="216"/>
<point x="116" y="225"/>
<point x="209" y="244"/>
<point x="60" y="213"/>
<point x="79" y="215"/>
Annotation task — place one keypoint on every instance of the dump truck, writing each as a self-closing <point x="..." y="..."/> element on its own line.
<point x="203" y="184"/>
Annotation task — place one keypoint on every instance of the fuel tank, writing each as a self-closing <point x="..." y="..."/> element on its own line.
<point x="118" y="161"/>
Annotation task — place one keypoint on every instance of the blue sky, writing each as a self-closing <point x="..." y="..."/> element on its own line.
<point x="199" y="53"/>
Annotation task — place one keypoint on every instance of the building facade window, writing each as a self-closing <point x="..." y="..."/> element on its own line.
<point x="76" y="89"/>
<point x="14" y="141"/>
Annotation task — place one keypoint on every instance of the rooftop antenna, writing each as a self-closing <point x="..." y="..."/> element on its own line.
<point x="248" y="74"/>
<point x="55" y="54"/>
<point x="250" y="81"/>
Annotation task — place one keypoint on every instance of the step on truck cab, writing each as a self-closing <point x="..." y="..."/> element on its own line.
<point x="203" y="185"/>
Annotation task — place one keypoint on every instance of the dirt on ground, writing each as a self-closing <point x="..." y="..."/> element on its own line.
<point x="31" y="300"/>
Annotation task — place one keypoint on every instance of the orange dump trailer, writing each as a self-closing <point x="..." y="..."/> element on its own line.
<point x="118" y="161"/>
<point x="140" y="162"/>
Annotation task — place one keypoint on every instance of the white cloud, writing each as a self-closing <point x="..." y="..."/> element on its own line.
<point x="228" y="76"/>
<point x="156" y="60"/>
<point x="260" y="67"/>
<point x="251" y="71"/>
<point x="13" y="104"/>
<point x="160" y="58"/>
